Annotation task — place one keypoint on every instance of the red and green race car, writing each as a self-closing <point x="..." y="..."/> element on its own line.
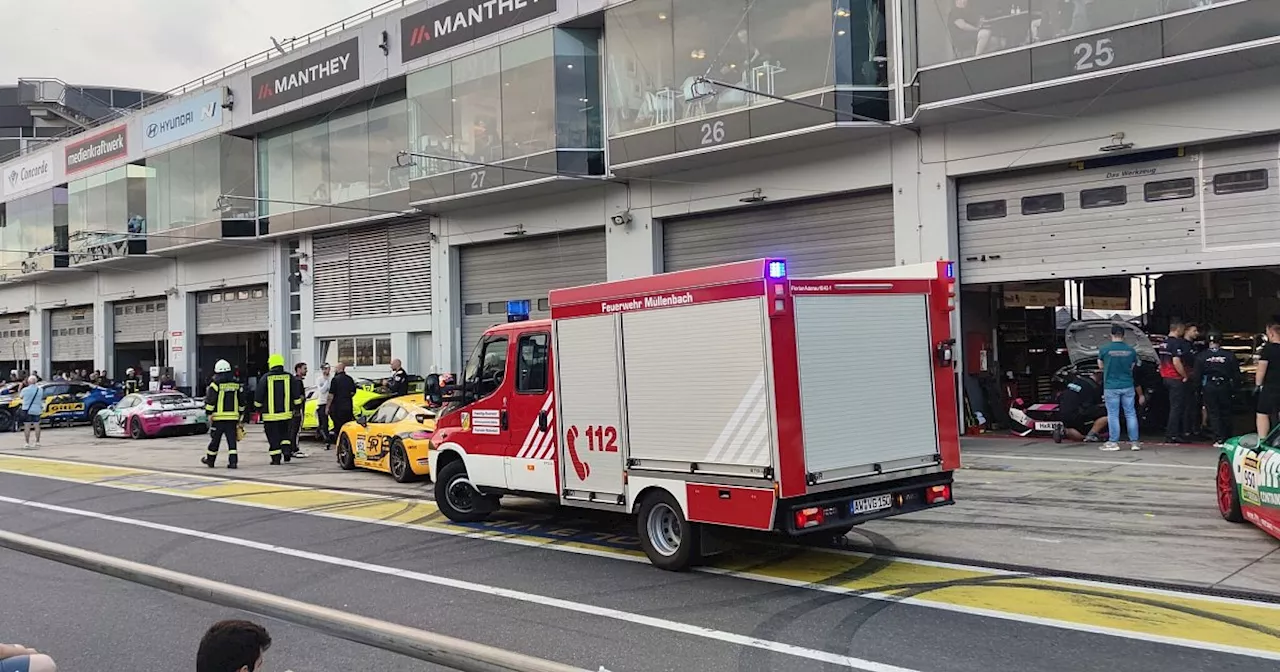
<point x="1249" y="481"/>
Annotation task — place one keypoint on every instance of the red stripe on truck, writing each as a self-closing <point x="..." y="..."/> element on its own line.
<point x="729" y="505"/>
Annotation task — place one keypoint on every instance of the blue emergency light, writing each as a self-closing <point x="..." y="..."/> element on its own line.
<point x="518" y="310"/>
<point x="777" y="269"/>
<point x="951" y="270"/>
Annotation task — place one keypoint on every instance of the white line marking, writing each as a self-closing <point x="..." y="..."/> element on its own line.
<point x="1046" y="541"/>
<point x="1113" y="463"/>
<point x="625" y="557"/>
<point x="521" y="596"/>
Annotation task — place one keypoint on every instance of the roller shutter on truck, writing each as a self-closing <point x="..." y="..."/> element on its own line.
<point x="830" y="235"/>
<point x="71" y="334"/>
<point x="526" y="268"/>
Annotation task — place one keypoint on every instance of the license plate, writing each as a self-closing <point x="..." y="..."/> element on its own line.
<point x="1047" y="426"/>
<point x="871" y="504"/>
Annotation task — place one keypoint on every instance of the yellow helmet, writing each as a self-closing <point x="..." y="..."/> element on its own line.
<point x="275" y="360"/>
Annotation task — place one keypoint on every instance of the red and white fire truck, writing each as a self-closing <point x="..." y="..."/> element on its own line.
<point x="725" y="396"/>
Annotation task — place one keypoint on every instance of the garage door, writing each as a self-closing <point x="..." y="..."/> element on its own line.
<point x="71" y="334"/>
<point x="15" y="333"/>
<point x="848" y="233"/>
<point x="374" y="270"/>
<point x="232" y="311"/>
<point x="141" y="321"/>
<point x="528" y="268"/>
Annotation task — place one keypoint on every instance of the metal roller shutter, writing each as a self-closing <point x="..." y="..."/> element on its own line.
<point x="832" y="235"/>
<point x="71" y="334"/>
<point x="375" y="270"/>
<point x="15" y="333"/>
<point x="495" y="273"/>
<point x="233" y="310"/>
<point x="141" y="321"/>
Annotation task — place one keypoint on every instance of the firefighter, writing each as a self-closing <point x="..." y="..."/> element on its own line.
<point x="1218" y="371"/>
<point x="224" y="402"/>
<point x="279" y="399"/>
<point x="132" y="381"/>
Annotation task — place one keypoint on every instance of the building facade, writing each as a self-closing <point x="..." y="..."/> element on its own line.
<point x="383" y="189"/>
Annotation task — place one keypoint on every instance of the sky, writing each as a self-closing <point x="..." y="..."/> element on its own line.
<point x="150" y="44"/>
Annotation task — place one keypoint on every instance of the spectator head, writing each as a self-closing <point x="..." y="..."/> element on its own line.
<point x="340" y="367"/>
<point x="300" y="369"/>
<point x="1177" y="328"/>
<point x="1215" y="339"/>
<point x="1273" y="332"/>
<point x="232" y="646"/>
<point x="1192" y="332"/>
<point x="395" y="365"/>
<point x="31" y="380"/>
<point x="1117" y="332"/>
<point x="324" y="368"/>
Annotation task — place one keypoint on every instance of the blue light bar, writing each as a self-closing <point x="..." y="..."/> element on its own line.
<point x="518" y="310"/>
<point x="777" y="269"/>
<point x="951" y="270"/>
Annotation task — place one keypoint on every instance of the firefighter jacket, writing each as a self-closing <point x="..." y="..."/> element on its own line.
<point x="223" y="400"/>
<point x="279" y="396"/>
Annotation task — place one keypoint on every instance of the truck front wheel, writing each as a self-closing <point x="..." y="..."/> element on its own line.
<point x="671" y="542"/>
<point x="457" y="498"/>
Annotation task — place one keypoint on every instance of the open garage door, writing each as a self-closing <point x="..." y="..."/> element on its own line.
<point x="528" y="268"/>
<point x="830" y="235"/>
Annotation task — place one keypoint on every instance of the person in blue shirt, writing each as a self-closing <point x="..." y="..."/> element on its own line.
<point x="1117" y="360"/>
<point x="32" y="406"/>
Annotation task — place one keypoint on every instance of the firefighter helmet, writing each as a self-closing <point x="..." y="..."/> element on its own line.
<point x="223" y="366"/>
<point x="130" y="371"/>
<point x="275" y="360"/>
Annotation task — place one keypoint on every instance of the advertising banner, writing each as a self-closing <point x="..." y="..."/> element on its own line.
<point x="452" y="23"/>
<point x="97" y="149"/>
<point x="28" y="173"/>
<point x="187" y="118"/>
<point x="325" y="69"/>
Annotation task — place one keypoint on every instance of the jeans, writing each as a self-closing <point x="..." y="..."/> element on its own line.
<point x="1115" y="399"/>
<point x="1176" y="428"/>
<point x="322" y="424"/>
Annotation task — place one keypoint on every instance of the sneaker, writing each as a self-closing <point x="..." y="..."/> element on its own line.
<point x="1134" y="445"/>
<point x="299" y="453"/>
<point x="26" y="446"/>
<point x="1110" y="446"/>
<point x="1093" y="438"/>
<point x="1219" y="444"/>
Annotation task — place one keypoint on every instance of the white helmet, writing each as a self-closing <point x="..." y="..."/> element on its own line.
<point x="223" y="366"/>
<point x="130" y="372"/>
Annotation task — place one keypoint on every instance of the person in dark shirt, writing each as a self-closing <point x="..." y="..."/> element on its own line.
<point x="341" y="392"/>
<point x="969" y="34"/>
<point x="1195" y="417"/>
<point x="398" y="383"/>
<point x="1268" y="378"/>
<point x="1080" y="406"/>
<point x="1218" y="372"/>
<point x="1173" y="353"/>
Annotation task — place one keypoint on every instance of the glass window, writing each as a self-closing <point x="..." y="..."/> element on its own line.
<point x="347" y="350"/>
<point x="202" y="298"/>
<point x="386" y="413"/>
<point x="237" y="175"/>
<point x="1167" y="190"/>
<point x="487" y="371"/>
<point x="985" y="210"/>
<point x="311" y="164"/>
<point x="1044" y="203"/>
<point x="388" y="136"/>
<point x="128" y="310"/>
<point x="640" y="65"/>
<point x="259" y="293"/>
<point x="117" y="202"/>
<point x="151" y="307"/>
<point x="364" y="352"/>
<point x="497" y="308"/>
<point x="119" y="310"/>
<point x="1245" y="180"/>
<point x="382" y="351"/>
<point x="1103" y="197"/>
<point x="528" y="95"/>
<point x="206" y="180"/>
<point x="711" y="37"/>
<point x="276" y="164"/>
<point x="544" y="305"/>
<point x="577" y="83"/>
<point x="295" y="321"/>
<point x="473" y="309"/>
<point x="160" y="307"/>
<point x="216" y="297"/>
<point x="795" y="42"/>
<point x="431" y="107"/>
<point x="531" y="368"/>
<point x="242" y="295"/>
<point x="182" y="191"/>
<point x="295" y="302"/>
<point x="349" y="157"/>
<point x="159" y="183"/>
<point x="229" y="296"/>
<point x="295" y="340"/>
<point x="477" y="112"/>
<point x="859" y="44"/>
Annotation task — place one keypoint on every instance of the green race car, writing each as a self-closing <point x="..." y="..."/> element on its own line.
<point x="369" y="396"/>
<point x="1249" y="481"/>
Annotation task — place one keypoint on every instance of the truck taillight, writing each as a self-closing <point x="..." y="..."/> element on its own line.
<point x="810" y="517"/>
<point x="937" y="493"/>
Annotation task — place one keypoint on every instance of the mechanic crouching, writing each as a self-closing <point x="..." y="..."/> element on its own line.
<point x="279" y="399"/>
<point x="1219" y="373"/>
<point x="224" y="404"/>
<point x="1080" y="408"/>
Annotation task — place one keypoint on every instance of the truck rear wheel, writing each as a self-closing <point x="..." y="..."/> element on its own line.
<point x="457" y="498"/>
<point x="671" y="542"/>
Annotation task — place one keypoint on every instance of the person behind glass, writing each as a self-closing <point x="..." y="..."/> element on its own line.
<point x="233" y="646"/>
<point x="224" y="404"/>
<point x="1268" y="380"/>
<point x="295" y="425"/>
<point x="18" y="658"/>
<point x="1118" y="360"/>
<point x="1218" y="372"/>
<point x="1174" y="372"/>
<point x="970" y="35"/>
<point x="322" y="405"/>
<point x="1194" y="421"/>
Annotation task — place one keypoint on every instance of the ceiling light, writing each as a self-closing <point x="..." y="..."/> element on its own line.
<point x="839" y="32"/>
<point x="662" y="17"/>
<point x="570" y="66"/>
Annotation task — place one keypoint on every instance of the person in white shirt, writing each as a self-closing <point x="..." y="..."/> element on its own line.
<point x="322" y="395"/>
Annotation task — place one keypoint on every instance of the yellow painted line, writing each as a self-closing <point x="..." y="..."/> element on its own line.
<point x="1239" y="626"/>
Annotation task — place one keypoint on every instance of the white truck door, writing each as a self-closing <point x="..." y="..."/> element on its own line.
<point x="589" y="415"/>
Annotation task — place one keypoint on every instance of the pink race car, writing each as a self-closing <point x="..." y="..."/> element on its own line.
<point x="146" y="414"/>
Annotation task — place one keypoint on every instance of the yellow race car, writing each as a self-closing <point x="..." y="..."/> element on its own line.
<point x="369" y="396"/>
<point x="393" y="440"/>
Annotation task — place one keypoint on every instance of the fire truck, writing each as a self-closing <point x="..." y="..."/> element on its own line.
<point x="732" y="396"/>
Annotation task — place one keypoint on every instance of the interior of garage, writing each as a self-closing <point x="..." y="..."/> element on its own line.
<point x="1014" y="332"/>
